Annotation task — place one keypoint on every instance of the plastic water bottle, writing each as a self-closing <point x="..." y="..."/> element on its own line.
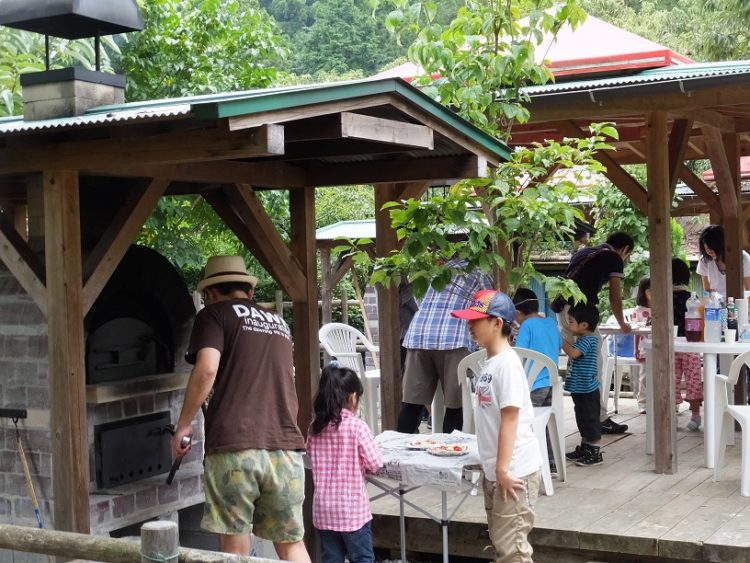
<point x="724" y="312"/>
<point x="731" y="313"/>
<point x="693" y="319"/>
<point x="712" y="319"/>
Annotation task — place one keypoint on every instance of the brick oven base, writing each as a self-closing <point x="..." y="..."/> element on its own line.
<point x="119" y="507"/>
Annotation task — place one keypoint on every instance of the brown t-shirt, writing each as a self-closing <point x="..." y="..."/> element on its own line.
<point x="254" y="405"/>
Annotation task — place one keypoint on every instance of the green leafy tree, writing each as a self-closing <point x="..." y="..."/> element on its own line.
<point x="483" y="57"/>
<point x="197" y="47"/>
<point x="343" y="37"/>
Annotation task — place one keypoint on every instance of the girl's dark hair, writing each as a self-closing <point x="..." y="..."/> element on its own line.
<point x="643" y="285"/>
<point x="712" y="237"/>
<point x="680" y="272"/>
<point x="335" y="386"/>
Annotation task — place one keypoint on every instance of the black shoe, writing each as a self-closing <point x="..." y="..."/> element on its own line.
<point x="592" y="456"/>
<point x="576" y="454"/>
<point x="609" y="426"/>
<point x="552" y="468"/>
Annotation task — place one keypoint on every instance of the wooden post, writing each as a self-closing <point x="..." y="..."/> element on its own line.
<point x="19" y="218"/>
<point x="388" y="319"/>
<point x="325" y="285"/>
<point x="67" y="377"/>
<point x="160" y="541"/>
<point x="279" y="300"/>
<point x="732" y="218"/>
<point x="660" y="262"/>
<point x="306" y="346"/>
<point x="344" y="306"/>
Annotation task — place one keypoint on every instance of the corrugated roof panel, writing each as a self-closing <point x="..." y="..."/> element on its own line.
<point x="665" y="74"/>
<point x="17" y="124"/>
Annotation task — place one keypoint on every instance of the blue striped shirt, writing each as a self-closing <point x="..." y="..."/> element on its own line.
<point x="433" y="327"/>
<point x="583" y="371"/>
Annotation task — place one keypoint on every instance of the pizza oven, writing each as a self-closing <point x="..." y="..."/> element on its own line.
<point x="136" y="332"/>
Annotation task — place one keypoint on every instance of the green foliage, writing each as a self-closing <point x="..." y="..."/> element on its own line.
<point x="343" y="37"/>
<point x="704" y="30"/>
<point x="22" y="52"/>
<point x="482" y="58"/>
<point x="343" y="204"/>
<point x="197" y="47"/>
<point x="484" y="55"/>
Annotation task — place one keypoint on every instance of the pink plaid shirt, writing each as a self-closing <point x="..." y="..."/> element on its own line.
<point x="340" y="456"/>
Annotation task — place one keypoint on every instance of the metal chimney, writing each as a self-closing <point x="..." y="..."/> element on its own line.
<point x="70" y="91"/>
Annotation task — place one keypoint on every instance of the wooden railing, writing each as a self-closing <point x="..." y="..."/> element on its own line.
<point x="159" y="544"/>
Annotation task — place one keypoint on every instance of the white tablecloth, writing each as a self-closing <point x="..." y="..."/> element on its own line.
<point x="419" y="468"/>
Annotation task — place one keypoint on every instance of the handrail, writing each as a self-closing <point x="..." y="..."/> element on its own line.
<point x="100" y="548"/>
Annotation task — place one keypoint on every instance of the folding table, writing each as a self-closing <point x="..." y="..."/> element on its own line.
<point x="413" y="469"/>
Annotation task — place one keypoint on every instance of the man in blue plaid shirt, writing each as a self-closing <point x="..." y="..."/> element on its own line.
<point x="435" y="344"/>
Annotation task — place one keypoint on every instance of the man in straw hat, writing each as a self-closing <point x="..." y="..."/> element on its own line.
<point x="253" y="476"/>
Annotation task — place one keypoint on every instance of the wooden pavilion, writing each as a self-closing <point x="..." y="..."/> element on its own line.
<point x="225" y="148"/>
<point x="666" y="117"/>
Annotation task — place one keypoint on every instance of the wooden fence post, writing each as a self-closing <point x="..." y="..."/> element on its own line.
<point x="160" y="541"/>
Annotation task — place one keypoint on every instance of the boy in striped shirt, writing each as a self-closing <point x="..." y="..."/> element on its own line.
<point x="583" y="383"/>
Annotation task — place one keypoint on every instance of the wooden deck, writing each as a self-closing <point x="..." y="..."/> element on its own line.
<point x="619" y="511"/>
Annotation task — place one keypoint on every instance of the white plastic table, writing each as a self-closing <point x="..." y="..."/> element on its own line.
<point x="412" y="469"/>
<point x="710" y="351"/>
<point x="615" y="330"/>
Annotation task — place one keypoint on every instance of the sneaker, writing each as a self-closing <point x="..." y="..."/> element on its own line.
<point x="429" y="423"/>
<point x="694" y="424"/>
<point x="593" y="456"/>
<point x="609" y="426"/>
<point x="576" y="454"/>
<point x="642" y="410"/>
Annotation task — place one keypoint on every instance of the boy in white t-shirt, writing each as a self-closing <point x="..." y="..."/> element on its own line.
<point x="503" y="415"/>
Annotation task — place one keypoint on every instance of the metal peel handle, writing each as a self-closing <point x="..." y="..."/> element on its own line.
<point x="185" y="442"/>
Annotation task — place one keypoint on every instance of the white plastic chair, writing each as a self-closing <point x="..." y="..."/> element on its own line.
<point x="614" y="366"/>
<point x="552" y="417"/>
<point x="726" y="413"/>
<point x="340" y="342"/>
<point x="469" y="368"/>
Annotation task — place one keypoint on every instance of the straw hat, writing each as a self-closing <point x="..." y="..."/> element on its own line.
<point x="221" y="269"/>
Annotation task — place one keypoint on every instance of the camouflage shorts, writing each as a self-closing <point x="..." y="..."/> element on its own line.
<point x="258" y="491"/>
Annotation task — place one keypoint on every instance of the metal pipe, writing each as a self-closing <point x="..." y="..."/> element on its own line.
<point x="97" y="49"/>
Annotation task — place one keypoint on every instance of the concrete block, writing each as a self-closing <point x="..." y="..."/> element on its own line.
<point x="190" y="487"/>
<point x="145" y="499"/>
<point x="168" y="494"/>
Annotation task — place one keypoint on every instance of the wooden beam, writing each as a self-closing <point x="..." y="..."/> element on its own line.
<point x="121" y="233"/>
<point x="708" y="117"/>
<point x="340" y="271"/>
<point x="358" y="126"/>
<point x="23" y="263"/>
<point x="440" y="127"/>
<point x="67" y="368"/>
<point x="615" y="173"/>
<point x="285" y="267"/>
<point x="722" y="172"/>
<point x="700" y="189"/>
<point x="388" y="314"/>
<point x="326" y="287"/>
<point x="217" y="199"/>
<point x="306" y="112"/>
<point x="397" y="170"/>
<point x="678" y="140"/>
<point x="412" y="190"/>
<point x="173" y="147"/>
<point x="660" y="265"/>
<point x="595" y="106"/>
<point x="267" y="174"/>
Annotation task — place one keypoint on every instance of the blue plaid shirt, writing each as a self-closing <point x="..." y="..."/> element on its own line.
<point x="433" y="327"/>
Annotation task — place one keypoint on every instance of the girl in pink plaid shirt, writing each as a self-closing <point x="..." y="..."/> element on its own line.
<point x="341" y="448"/>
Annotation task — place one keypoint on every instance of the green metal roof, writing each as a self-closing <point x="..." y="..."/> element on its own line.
<point x="216" y="106"/>
<point x="685" y="72"/>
